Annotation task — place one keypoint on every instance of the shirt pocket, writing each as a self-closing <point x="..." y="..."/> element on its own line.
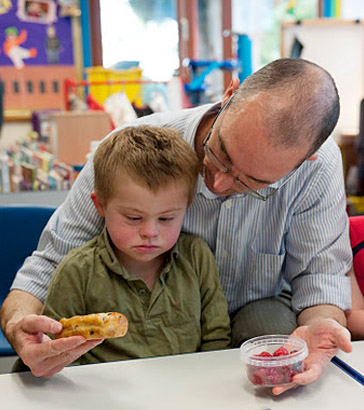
<point x="178" y="331"/>
<point x="265" y="274"/>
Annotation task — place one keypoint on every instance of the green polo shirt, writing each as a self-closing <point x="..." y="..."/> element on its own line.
<point x="186" y="311"/>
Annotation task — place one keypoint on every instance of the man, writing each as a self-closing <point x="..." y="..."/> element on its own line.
<point x="269" y="202"/>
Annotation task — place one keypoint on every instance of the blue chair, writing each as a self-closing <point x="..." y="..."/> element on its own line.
<point x="21" y="227"/>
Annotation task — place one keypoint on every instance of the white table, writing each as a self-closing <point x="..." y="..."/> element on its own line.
<point x="203" y="381"/>
<point x="355" y="358"/>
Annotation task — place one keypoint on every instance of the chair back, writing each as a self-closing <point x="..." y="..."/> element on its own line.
<point x="356" y="224"/>
<point x="20" y="227"/>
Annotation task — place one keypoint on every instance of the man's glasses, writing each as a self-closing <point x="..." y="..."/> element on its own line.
<point x="239" y="185"/>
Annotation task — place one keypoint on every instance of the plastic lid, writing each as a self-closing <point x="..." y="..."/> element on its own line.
<point x="250" y="350"/>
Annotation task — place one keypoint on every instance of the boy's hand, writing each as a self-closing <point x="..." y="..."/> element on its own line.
<point x="44" y="356"/>
<point x="324" y="338"/>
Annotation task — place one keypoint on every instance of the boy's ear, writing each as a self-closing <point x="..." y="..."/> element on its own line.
<point x="98" y="204"/>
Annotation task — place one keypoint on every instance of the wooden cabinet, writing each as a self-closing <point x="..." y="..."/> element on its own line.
<point x="71" y="133"/>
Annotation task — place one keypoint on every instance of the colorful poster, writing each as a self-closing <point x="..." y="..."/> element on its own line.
<point x="32" y="33"/>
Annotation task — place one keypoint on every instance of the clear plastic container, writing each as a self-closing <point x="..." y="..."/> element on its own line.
<point x="273" y="360"/>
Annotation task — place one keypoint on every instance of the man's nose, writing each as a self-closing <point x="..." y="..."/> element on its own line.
<point x="223" y="181"/>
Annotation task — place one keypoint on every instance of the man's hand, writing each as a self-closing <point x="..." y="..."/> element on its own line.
<point x="44" y="356"/>
<point x="324" y="337"/>
<point x="25" y="329"/>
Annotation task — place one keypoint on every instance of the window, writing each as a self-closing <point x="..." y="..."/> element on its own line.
<point x="145" y="31"/>
<point x="262" y="22"/>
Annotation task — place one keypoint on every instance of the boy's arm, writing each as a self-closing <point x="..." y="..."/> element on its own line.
<point x="215" y="321"/>
<point x="355" y="316"/>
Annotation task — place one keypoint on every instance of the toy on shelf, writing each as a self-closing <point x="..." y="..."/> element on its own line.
<point x="198" y="84"/>
<point x="242" y="63"/>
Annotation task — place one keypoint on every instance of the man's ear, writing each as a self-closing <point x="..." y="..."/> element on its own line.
<point x="234" y="85"/>
<point x="313" y="157"/>
<point x="98" y="204"/>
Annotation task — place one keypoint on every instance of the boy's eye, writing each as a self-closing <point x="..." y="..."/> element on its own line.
<point x="133" y="218"/>
<point x="166" y="218"/>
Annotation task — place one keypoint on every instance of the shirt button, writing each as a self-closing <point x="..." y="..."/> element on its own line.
<point x="224" y="253"/>
<point x="142" y="292"/>
<point x="228" y="204"/>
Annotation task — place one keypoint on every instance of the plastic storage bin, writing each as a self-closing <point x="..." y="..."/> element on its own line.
<point x="101" y="92"/>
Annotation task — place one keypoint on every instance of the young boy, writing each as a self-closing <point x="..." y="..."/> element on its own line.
<point x="166" y="284"/>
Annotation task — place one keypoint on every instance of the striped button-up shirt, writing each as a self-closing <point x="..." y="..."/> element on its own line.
<point x="299" y="236"/>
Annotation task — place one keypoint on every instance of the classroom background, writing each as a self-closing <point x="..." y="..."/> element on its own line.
<point x="72" y="71"/>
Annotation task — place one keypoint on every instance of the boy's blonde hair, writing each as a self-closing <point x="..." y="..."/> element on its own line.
<point x="152" y="156"/>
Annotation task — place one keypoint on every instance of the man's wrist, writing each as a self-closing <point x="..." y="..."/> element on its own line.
<point x="319" y="312"/>
<point x="16" y="306"/>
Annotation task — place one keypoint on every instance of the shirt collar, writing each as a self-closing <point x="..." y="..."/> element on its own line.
<point x="195" y="116"/>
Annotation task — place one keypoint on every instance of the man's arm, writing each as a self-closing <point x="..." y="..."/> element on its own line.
<point x="16" y="306"/>
<point x="317" y="243"/>
<point x="71" y="225"/>
<point x="319" y="237"/>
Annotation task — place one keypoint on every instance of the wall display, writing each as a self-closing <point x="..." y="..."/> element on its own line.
<point x="4" y="6"/>
<point x="70" y="8"/>
<point x="37" y="11"/>
<point x="338" y="46"/>
<point x="37" y="53"/>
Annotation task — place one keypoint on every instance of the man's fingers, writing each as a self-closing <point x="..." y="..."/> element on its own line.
<point x="308" y="376"/>
<point x="343" y="341"/>
<point x="281" y="389"/>
<point x="72" y="344"/>
<point x="73" y="347"/>
<point x="55" y="347"/>
<point x="58" y="355"/>
<point x="34" y="324"/>
<point x="70" y="357"/>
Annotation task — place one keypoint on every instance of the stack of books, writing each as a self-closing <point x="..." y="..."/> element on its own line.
<point x="28" y="166"/>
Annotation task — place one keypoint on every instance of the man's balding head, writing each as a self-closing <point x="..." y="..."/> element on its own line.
<point x="298" y="101"/>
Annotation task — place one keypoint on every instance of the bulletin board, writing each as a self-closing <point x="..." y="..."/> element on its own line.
<point x="36" y="53"/>
<point x="338" y="46"/>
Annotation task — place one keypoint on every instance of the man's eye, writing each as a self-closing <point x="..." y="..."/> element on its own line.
<point x="258" y="185"/>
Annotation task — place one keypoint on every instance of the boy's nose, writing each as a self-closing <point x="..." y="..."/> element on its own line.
<point x="149" y="230"/>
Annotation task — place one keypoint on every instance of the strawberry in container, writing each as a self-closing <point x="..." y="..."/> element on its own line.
<point x="273" y="360"/>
